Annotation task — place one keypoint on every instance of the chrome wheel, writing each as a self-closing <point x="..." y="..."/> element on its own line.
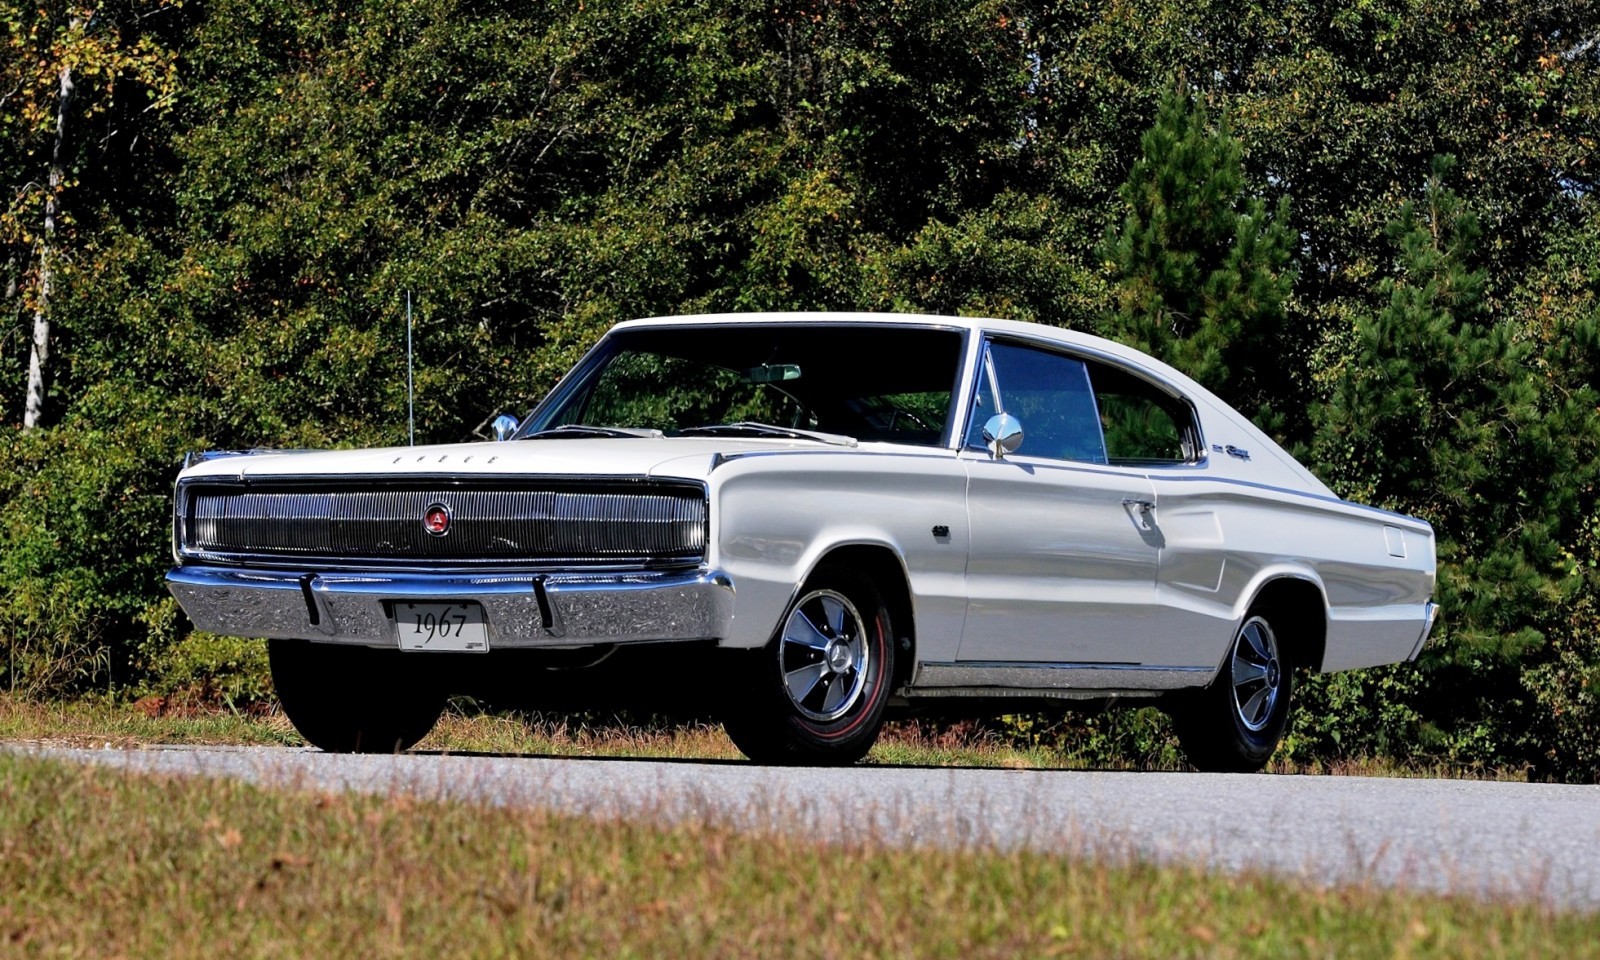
<point x="816" y="693"/>
<point x="824" y="655"/>
<point x="1257" y="674"/>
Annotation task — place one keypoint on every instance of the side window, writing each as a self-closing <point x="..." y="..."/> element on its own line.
<point x="1051" y="396"/>
<point x="1142" y="424"/>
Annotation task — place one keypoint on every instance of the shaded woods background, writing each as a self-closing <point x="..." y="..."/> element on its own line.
<point x="1373" y="227"/>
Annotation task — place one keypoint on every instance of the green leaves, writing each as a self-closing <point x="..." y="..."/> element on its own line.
<point x="1448" y="411"/>
<point x="1201" y="269"/>
<point x="1446" y="416"/>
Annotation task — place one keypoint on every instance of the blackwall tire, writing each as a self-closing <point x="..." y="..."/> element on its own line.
<point x="1234" y="725"/>
<point x="815" y="694"/>
<point x="345" y="699"/>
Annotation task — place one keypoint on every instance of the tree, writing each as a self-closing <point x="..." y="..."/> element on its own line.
<point x="61" y="65"/>
<point x="1445" y="411"/>
<point x="1202" y="269"/>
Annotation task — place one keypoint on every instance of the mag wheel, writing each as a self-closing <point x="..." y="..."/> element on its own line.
<point x="1235" y="723"/>
<point x="355" y="699"/>
<point x="815" y="694"/>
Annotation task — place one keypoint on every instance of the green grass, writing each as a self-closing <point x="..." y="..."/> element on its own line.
<point x="104" y="863"/>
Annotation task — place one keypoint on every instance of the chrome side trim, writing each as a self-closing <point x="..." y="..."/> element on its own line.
<point x="1023" y="693"/>
<point x="357" y="608"/>
<point x="1304" y="494"/>
<point x="1091" y="679"/>
<point x="1427" y="630"/>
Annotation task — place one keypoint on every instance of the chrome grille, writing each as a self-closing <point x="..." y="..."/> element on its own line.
<point x="583" y="523"/>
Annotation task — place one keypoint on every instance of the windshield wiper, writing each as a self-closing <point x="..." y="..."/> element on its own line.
<point x="748" y="428"/>
<point x="584" y="430"/>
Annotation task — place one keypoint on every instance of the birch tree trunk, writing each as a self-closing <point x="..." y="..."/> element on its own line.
<point x="39" y="357"/>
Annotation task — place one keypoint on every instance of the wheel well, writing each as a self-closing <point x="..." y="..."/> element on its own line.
<point x="883" y="568"/>
<point x="1295" y="604"/>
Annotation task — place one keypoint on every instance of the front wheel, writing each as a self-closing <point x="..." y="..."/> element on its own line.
<point x="345" y="699"/>
<point x="816" y="693"/>
<point x="1233" y="725"/>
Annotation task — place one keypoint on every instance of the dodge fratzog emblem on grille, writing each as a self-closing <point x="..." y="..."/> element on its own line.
<point x="436" y="519"/>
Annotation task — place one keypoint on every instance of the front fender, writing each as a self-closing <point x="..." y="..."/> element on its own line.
<point x="774" y="519"/>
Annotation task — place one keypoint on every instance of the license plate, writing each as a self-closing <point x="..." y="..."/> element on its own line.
<point x="454" y="627"/>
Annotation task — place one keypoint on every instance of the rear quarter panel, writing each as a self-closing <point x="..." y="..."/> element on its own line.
<point x="1226" y="540"/>
<point x="1234" y="523"/>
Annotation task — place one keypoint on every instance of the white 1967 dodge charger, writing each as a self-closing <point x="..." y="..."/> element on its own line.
<point x="833" y="515"/>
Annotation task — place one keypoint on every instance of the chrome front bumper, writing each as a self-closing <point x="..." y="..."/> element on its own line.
<point x="521" y="609"/>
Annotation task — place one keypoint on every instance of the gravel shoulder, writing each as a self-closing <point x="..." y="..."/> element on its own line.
<point x="1521" y="841"/>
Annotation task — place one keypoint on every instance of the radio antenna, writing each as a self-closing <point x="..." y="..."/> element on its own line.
<point x="411" y="391"/>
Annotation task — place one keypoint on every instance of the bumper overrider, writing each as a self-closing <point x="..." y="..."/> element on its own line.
<point x="521" y="610"/>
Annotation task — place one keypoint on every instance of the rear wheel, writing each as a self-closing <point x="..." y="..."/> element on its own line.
<point x="346" y="699"/>
<point x="1233" y="725"/>
<point x="816" y="693"/>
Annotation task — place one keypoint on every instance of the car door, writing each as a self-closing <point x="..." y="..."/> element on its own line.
<point x="1151" y="427"/>
<point x="1064" y="547"/>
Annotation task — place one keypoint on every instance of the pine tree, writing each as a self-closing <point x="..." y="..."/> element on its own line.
<point x="1202" y="269"/>
<point x="1443" y="411"/>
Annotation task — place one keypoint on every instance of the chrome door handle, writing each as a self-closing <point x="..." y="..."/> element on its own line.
<point x="1145" y="509"/>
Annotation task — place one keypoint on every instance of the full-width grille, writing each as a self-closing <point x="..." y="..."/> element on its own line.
<point x="583" y="523"/>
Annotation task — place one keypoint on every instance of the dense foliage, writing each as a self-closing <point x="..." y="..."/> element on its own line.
<point x="1374" y="224"/>
<point x="1202" y="269"/>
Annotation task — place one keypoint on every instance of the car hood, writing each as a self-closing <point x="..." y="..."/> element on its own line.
<point x="690" y="458"/>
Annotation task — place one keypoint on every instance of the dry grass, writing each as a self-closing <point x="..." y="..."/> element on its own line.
<point x="93" y="723"/>
<point x="102" y="863"/>
<point x="459" y="732"/>
<point x="907" y="743"/>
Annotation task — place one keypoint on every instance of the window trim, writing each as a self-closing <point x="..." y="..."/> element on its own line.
<point x="1188" y="434"/>
<point x="573" y="381"/>
<point x="1086" y="355"/>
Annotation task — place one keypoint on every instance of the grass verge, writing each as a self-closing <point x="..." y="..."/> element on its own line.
<point x="104" y="863"/>
<point x="97" y="723"/>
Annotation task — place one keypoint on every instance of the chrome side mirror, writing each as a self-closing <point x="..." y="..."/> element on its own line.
<point x="1002" y="434"/>
<point x="503" y="426"/>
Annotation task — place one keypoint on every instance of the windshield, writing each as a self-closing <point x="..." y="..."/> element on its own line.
<point x="870" y="383"/>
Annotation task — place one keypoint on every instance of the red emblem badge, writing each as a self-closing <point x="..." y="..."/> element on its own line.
<point x="436" y="519"/>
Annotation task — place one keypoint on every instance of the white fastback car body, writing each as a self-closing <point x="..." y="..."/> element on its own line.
<point x="795" y="484"/>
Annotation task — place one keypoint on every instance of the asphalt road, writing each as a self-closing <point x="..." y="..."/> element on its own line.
<point x="1525" y="841"/>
